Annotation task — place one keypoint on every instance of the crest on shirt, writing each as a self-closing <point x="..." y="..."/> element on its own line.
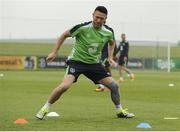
<point x="72" y="70"/>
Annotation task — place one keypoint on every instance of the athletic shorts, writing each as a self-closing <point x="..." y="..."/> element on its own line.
<point x="121" y="61"/>
<point x="94" y="72"/>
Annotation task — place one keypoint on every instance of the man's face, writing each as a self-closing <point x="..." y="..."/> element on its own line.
<point x="99" y="19"/>
<point x="123" y="36"/>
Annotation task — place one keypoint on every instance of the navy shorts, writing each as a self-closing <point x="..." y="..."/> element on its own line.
<point x="94" y="72"/>
<point x="121" y="61"/>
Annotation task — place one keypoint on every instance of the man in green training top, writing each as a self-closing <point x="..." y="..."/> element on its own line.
<point x="90" y="38"/>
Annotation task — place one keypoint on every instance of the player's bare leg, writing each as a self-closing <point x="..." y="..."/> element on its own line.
<point x="115" y="96"/>
<point x="121" y="70"/>
<point x="58" y="91"/>
<point x="121" y="78"/>
<point x="55" y="95"/>
<point x="131" y="75"/>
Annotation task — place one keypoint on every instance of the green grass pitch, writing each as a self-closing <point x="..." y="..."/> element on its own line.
<point x="149" y="97"/>
<point x="37" y="49"/>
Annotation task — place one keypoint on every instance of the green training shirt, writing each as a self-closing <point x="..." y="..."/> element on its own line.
<point x="89" y="42"/>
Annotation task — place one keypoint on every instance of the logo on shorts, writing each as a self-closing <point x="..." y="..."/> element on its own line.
<point x="72" y="70"/>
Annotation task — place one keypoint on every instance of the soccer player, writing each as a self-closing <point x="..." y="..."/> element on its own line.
<point x="123" y="58"/>
<point x="105" y="63"/>
<point x="84" y="59"/>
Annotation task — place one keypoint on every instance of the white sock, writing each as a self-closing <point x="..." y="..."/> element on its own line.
<point x="101" y="86"/>
<point x="47" y="105"/>
<point x="119" y="107"/>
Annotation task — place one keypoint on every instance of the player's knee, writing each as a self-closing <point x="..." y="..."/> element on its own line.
<point x="113" y="87"/>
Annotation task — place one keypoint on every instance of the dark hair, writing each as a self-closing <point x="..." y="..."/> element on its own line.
<point x="101" y="9"/>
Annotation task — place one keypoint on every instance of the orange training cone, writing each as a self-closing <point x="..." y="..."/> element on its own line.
<point x="20" y="121"/>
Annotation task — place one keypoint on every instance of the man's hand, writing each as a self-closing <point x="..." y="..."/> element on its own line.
<point x="51" y="56"/>
<point x="112" y="63"/>
<point x="125" y="58"/>
<point x="115" y="58"/>
<point x="59" y="42"/>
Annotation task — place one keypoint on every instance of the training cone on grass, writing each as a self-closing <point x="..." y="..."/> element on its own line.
<point x="52" y="114"/>
<point x="20" y="121"/>
<point x="143" y="125"/>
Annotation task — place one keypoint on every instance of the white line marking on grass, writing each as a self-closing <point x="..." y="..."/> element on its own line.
<point x="171" y="118"/>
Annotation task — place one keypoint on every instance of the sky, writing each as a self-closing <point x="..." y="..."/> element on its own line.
<point x="139" y="19"/>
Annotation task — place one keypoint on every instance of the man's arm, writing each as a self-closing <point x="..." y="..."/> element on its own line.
<point x="111" y="48"/>
<point x="59" y="42"/>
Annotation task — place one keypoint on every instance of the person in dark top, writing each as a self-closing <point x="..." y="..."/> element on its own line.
<point x="123" y="48"/>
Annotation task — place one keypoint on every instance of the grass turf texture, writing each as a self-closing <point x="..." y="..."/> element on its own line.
<point x="149" y="97"/>
<point x="37" y="49"/>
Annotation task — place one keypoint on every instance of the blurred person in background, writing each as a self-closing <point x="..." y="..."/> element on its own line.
<point x="123" y="50"/>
